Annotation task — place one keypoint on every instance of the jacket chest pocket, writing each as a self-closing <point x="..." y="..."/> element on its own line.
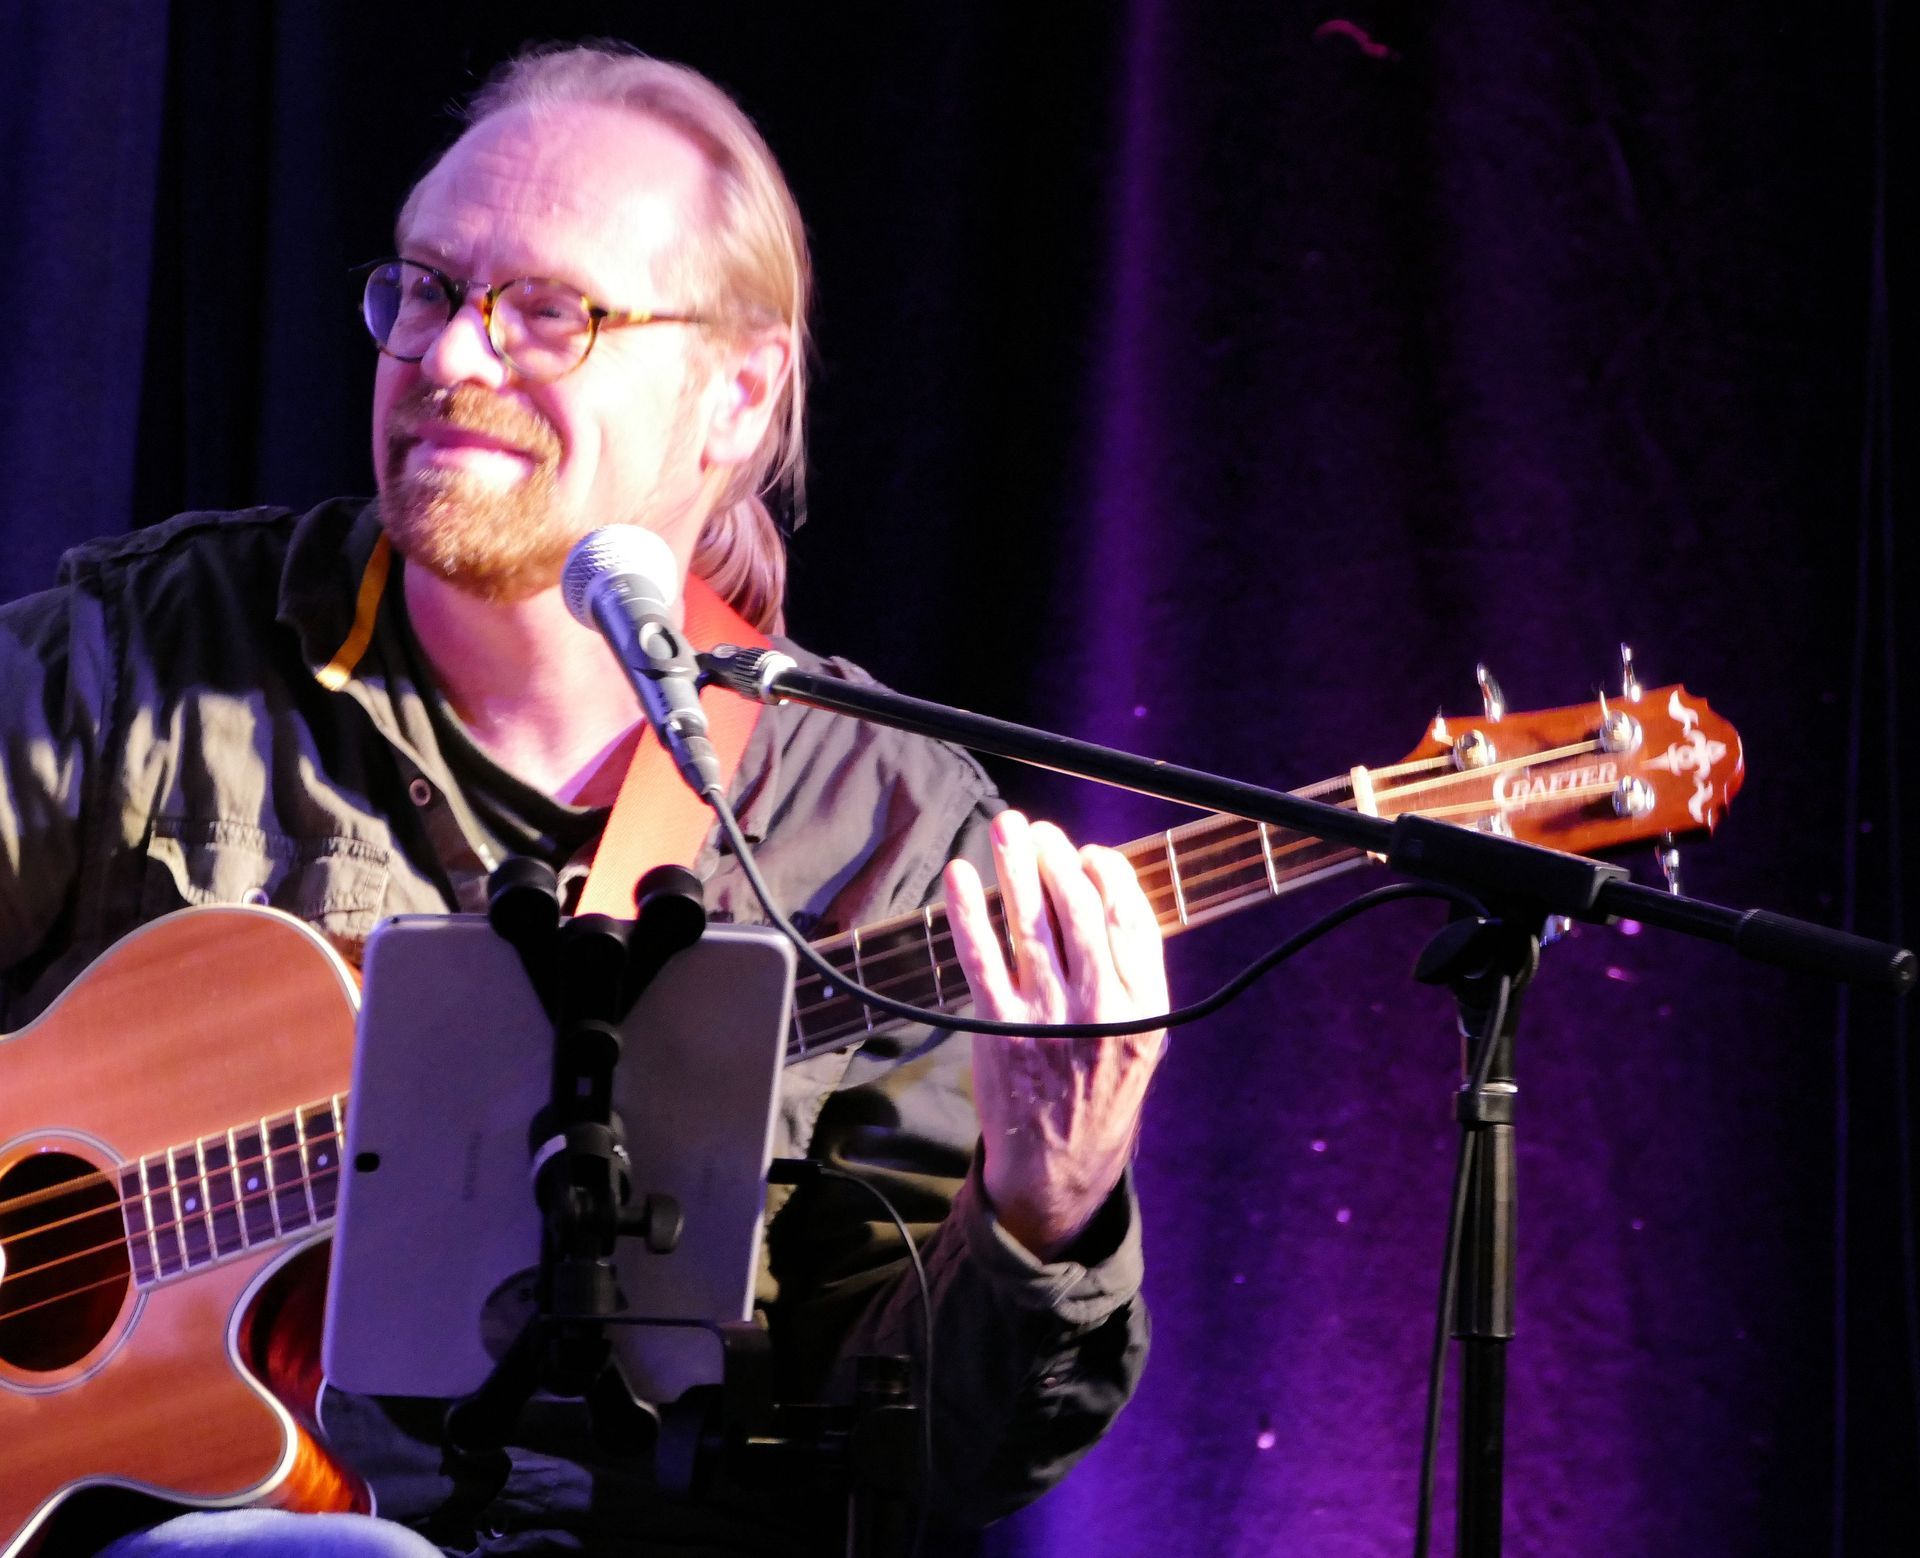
<point x="334" y="883"/>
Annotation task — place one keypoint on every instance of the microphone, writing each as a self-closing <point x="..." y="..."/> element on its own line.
<point x="623" y="581"/>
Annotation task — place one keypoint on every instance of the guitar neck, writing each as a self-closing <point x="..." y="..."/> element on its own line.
<point x="1199" y="871"/>
<point x="257" y="1184"/>
<point x="1581" y="779"/>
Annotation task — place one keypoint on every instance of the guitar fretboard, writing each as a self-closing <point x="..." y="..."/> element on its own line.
<point x="220" y="1196"/>
<point x="1199" y="871"/>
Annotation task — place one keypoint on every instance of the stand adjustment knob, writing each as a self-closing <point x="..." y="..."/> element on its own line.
<point x="657" y="1222"/>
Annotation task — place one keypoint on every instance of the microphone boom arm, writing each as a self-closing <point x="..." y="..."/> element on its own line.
<point x="1417" y="846"/>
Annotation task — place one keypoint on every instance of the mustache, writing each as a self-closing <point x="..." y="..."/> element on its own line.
<point x="471" y="409"/>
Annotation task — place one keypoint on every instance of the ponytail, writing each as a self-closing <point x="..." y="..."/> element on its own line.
<point x="743" y="559"/>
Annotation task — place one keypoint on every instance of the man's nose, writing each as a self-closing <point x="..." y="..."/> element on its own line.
<point x="462" y="352"/>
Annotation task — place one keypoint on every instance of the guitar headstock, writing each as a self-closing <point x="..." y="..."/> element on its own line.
<point x="1649" y="764"/>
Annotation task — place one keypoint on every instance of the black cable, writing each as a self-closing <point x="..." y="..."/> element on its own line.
<point x="1442" y="1334"/>
<point x="793" y="1171"/>
<point x="1300" y="940"/>
<point x="1175" y="1018"/>
<point x="1450" y="1269"/>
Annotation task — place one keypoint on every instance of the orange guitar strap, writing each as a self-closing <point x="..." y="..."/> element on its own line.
<point x="656" y="819"/>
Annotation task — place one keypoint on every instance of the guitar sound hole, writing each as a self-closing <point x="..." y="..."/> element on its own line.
<point x="66" y="1268"/>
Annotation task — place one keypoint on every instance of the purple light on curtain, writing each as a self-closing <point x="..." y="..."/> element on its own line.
<point x="1116" y="562"/>
<point x="81" y="107"/>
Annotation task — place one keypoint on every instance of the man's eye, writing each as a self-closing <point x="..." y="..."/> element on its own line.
<point x="426" y="289"/>
<point x="549" y="306"/>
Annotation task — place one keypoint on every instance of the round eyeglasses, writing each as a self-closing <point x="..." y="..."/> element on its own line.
<point x="540" y="328"/>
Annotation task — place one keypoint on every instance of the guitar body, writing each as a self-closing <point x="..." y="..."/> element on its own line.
<point x="191" y="1024"/>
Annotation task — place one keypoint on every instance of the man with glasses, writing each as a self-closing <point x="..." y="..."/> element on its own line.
<point x="596" y="315"/>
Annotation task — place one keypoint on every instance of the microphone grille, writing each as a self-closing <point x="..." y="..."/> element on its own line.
<point x="611" y="552"/>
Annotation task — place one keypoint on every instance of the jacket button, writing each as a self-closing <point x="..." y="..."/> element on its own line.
<point x="419" y="791"/>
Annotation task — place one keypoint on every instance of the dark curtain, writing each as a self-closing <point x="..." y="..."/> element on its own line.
<point x="1222" y="381"/>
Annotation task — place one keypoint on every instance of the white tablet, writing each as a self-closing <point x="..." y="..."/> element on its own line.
<point x="439" y="1234"/>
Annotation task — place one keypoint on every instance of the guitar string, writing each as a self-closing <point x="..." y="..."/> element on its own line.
<point x="1152" y="849"/>
<point x="62" y="1298"/>
<point x="1240" y="834"/>
<point x="206" y="1209"/>
<point x="175" y="1230"/>
<point x="1151" y="846"/>
<point x="1419" y="765"/>
<point x="305" y="1181"/>
<point x="906" y="936"/>
<point x="839" y="1011"/>
<point x="1576" y="792"/>
<point x="1242" y="838"/>
<point x="926" y="946"/>
<point x="1236" y="835"/>
<point x="1502" y="765"/>
<point x="332" y="1106"/>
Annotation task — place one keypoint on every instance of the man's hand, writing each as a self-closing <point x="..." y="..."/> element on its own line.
<point x="1058" y="1116"/>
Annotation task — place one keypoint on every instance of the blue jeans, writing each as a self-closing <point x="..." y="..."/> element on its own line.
<point x="274" y="1533"/>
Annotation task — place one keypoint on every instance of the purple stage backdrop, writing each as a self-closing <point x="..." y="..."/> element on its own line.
<point x="1222" y="380"/>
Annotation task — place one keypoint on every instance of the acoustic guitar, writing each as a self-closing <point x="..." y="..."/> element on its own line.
<point x="171" y="1128"/>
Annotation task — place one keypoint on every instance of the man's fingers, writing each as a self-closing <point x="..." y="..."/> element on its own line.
<point x="1132" y="927"/>
<point x="1086" y="944"/>
<point x="975" y="941"/>
<point x="1036" y="958"/>
<point x="1081" y="917"/>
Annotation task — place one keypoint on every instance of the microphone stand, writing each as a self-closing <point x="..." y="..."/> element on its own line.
<point x="1485" y="962"/>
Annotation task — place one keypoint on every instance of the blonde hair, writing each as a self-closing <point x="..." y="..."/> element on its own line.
<point x="746" y="265"/>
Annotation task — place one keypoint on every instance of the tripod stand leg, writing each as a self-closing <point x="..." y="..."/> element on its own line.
<point x="1483" y="1420"/>
<point x="1487" y="964"/>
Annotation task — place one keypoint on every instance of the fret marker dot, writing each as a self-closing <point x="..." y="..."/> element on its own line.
<point x="826" y="992"/>
<point x="191" y="1205"/>
<point x="321" y="1159"/>
<point x="253" y="1182"/>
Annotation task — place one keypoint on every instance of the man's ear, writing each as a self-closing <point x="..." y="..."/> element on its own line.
<point x="747" y="400"/>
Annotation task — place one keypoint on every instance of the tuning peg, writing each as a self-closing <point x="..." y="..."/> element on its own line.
<point x="1619" y="730"/>
<point x="1490" y="694"/>
<point x="1629" y="681"/>
<point x="1668" y="855"/>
